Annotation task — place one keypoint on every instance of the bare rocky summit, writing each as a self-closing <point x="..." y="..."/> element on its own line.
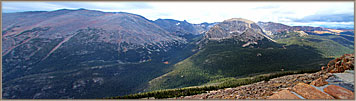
<point x="237" y="28"/>
<point x="242" y="31"/>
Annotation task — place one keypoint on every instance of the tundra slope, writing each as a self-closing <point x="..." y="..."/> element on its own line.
<point x="84" y="53"/>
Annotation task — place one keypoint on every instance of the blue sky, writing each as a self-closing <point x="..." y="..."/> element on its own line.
<point x="332" y="14"/>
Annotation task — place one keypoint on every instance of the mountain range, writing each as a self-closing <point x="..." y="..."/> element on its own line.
<point x="92" y="54"/>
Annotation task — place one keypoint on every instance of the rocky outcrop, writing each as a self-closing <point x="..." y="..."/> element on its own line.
<point x="339" y="92"/>
<point x="338" y="65"/>
<point x="241" y="31"/>
<point x="236" y="28"/>
<point x="319" y="85"/>
<point x="204" y="27"/>
<point x="260" y="90"/>
<point x="319" y="82"/>
<point x="340" y="86"/>
<point x="176" y="27"/>
<point x="271" y="28"/>
<point x="284" y="94"/>
<point x="306" y="91"/>
<point x="310" y="92"/>
<point x="336" y="86"/>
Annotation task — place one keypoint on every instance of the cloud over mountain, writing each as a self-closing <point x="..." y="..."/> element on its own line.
<point x="327" y="18"/>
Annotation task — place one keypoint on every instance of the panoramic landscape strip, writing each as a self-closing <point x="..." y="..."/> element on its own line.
<point x="178" y="50"/>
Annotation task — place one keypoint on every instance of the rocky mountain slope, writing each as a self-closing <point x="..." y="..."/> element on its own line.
<point x="278" y="31"/>
<point x="236" y="28"/>
<point x="330" y="42"/>
<point x="204" y="27"/>
<point x="178" y="28"/>
<point x="116" y="28"/>
<point x="272" y="28"/>
<point x="78" y="53"/>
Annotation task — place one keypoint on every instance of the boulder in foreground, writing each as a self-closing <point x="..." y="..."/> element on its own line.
<point x="309" y="92"/>
<point x="284" y="94"/>
<point x="339" y="92"/>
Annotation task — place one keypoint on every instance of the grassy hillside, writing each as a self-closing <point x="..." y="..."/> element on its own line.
<point x="330" y="46"/>
<point x="218" y="60"/>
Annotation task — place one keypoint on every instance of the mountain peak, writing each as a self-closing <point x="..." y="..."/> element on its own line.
<point x="240" y="19"/>
<point x="241" y="30"/>
<point x="82" y="9"/>
<point x="236" y="28"/>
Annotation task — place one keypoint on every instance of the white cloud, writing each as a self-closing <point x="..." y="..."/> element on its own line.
<point x="32" y="6"/>
<point x="197" y="12"/>
<point x="317" y="23"/>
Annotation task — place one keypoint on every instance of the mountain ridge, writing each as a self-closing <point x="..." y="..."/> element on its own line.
<point x="110" y="47"/>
